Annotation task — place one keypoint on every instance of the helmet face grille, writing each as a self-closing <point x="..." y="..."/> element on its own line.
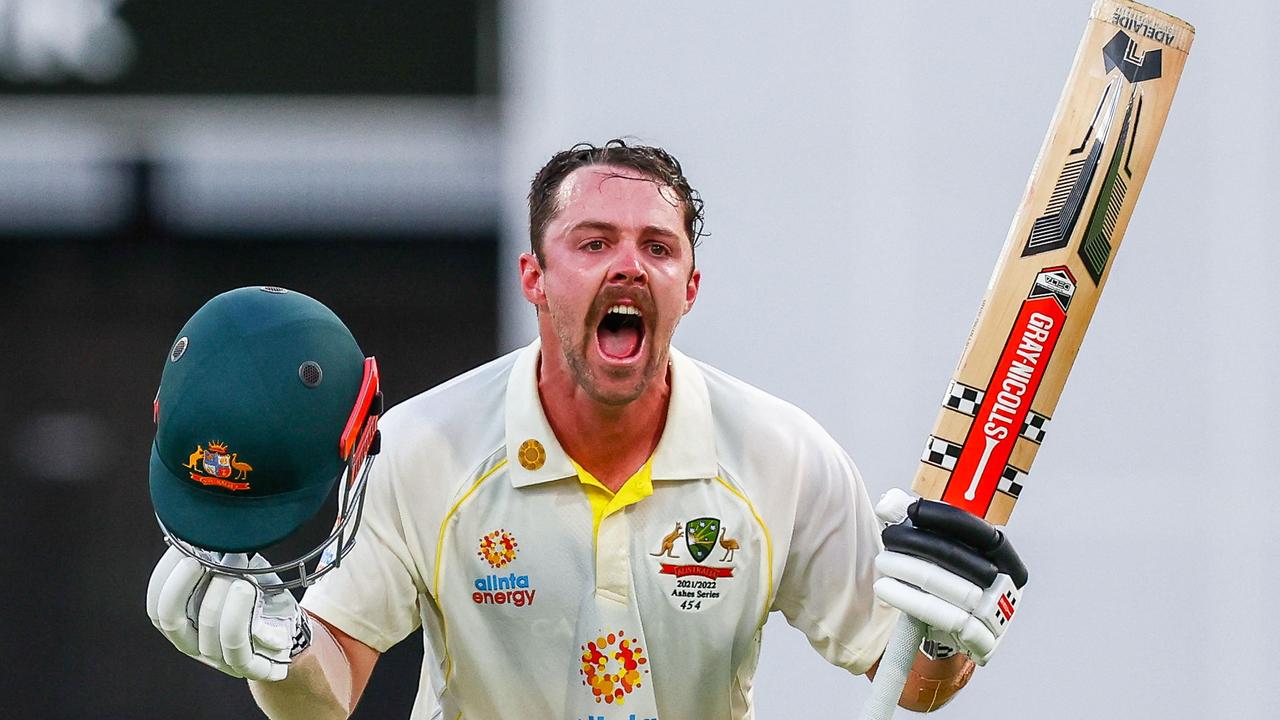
<point x="308" y="568"/>
<point x="273" y="290"/>
<point x="310" y="373"/>
<point x="179" y="349"/>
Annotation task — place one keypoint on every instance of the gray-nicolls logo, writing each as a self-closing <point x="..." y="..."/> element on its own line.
<point x="50" y="41"/>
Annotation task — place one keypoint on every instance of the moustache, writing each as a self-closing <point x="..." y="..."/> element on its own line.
<point x="610" y="297"/>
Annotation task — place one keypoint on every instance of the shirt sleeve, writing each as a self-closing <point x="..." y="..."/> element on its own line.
<point x="374" y="595"/>
<point x="826" y="588"/>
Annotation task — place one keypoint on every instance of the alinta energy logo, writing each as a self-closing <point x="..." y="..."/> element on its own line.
<point x="499" y="549"/>
<point x="613" y="666"/>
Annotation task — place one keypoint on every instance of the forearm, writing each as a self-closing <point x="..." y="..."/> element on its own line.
<point x="318" y="686"/>
<point x="932" y="683"/>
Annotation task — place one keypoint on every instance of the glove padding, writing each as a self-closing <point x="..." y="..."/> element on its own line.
<point x="226" y="622"/>
<point x="952" y="571"/>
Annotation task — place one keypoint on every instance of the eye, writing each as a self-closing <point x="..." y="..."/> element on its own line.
<point x="593" y="245"/>
<point x="659" y="249"/>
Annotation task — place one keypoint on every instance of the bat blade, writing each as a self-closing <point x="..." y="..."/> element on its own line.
<point x="1056" y="259"/>
<point x="1046" y="284"/>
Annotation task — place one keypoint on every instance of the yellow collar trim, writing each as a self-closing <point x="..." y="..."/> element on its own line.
<point x="605" y="502"/>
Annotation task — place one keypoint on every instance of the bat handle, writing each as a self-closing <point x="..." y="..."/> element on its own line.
<point x="896" y="662"/>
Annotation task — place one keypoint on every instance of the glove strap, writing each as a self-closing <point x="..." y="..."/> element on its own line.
<point x="301" y="634"/>
<point x="936" y="650"/>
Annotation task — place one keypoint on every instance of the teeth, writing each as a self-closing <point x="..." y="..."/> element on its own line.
<point x="625" y="310"/>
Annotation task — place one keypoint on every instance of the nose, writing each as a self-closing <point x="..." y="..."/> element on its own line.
<point x="627" y="266"/>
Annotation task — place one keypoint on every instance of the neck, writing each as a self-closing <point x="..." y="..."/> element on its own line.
<point x="611" y="441"/>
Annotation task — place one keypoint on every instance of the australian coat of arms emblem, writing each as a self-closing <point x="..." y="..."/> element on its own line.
<point x="214" y="465"/>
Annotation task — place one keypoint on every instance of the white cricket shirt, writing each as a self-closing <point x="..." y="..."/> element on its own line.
<point x="477" y="527"/>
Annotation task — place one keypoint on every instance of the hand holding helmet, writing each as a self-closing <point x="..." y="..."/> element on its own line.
<point x="226" y="622"/>
<point x="265" y="404"/>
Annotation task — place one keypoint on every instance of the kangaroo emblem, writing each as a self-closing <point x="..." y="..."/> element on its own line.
<point x="195" y="458"/>
<point x="668" y="543"/>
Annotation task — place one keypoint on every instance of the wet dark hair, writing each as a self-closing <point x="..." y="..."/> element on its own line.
<point x="653" y="162"/>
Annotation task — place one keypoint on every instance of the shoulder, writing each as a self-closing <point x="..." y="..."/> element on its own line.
<point x="444" y="432"/>
<point x="778" y="455"/>
<point x="463" y="397"/>
<point x="742" y="410"/>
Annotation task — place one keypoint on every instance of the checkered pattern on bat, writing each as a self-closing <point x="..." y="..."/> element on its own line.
<point x="1033" y="427"/>
<point x="1011" y="481"/>
<point x="966" y="400"/>
<point x="940" y="453"/>
<point x="962" y="398"/>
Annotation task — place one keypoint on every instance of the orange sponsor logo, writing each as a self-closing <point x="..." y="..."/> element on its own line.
<point x="613" y="666"/>
<point x="498" y="548"/>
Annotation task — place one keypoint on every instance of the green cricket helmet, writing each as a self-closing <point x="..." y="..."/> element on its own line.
<point x="265" y="403"/>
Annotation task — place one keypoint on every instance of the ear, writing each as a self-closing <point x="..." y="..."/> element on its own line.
<point x="531" y="279"/>
<point x="691" y="289"/>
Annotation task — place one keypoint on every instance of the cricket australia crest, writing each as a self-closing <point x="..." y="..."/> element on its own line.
<point x="700" y="535"/>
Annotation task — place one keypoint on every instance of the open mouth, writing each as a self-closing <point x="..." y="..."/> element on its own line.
<point x="620" y="334"/>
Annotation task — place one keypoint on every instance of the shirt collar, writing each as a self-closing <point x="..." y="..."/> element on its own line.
<point x="686" y="450"/>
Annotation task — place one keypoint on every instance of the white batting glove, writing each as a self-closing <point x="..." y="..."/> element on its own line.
<point x="952" y="571"/>
<point x="226" y="622"/>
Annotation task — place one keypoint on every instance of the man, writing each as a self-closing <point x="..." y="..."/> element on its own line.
<point x="596" y="525"/>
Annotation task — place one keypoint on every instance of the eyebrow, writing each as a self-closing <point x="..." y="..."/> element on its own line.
<point x="610" y="227"/>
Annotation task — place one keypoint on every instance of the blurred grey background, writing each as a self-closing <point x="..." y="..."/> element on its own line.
<point x="860" y="163"/>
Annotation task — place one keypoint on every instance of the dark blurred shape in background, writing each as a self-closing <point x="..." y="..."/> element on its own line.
<point x="153" y="155"/>
<point x="182" y="47"/>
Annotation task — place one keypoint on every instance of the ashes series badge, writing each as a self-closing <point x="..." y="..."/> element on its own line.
<point x="694" y="561"/>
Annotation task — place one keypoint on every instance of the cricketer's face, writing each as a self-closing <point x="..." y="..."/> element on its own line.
<point x="618" y="276"/>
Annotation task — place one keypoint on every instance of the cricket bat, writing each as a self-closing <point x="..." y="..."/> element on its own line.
<point x="1046" y="284"/>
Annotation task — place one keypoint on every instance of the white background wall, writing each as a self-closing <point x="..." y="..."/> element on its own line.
<point x="861" y="163"/>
